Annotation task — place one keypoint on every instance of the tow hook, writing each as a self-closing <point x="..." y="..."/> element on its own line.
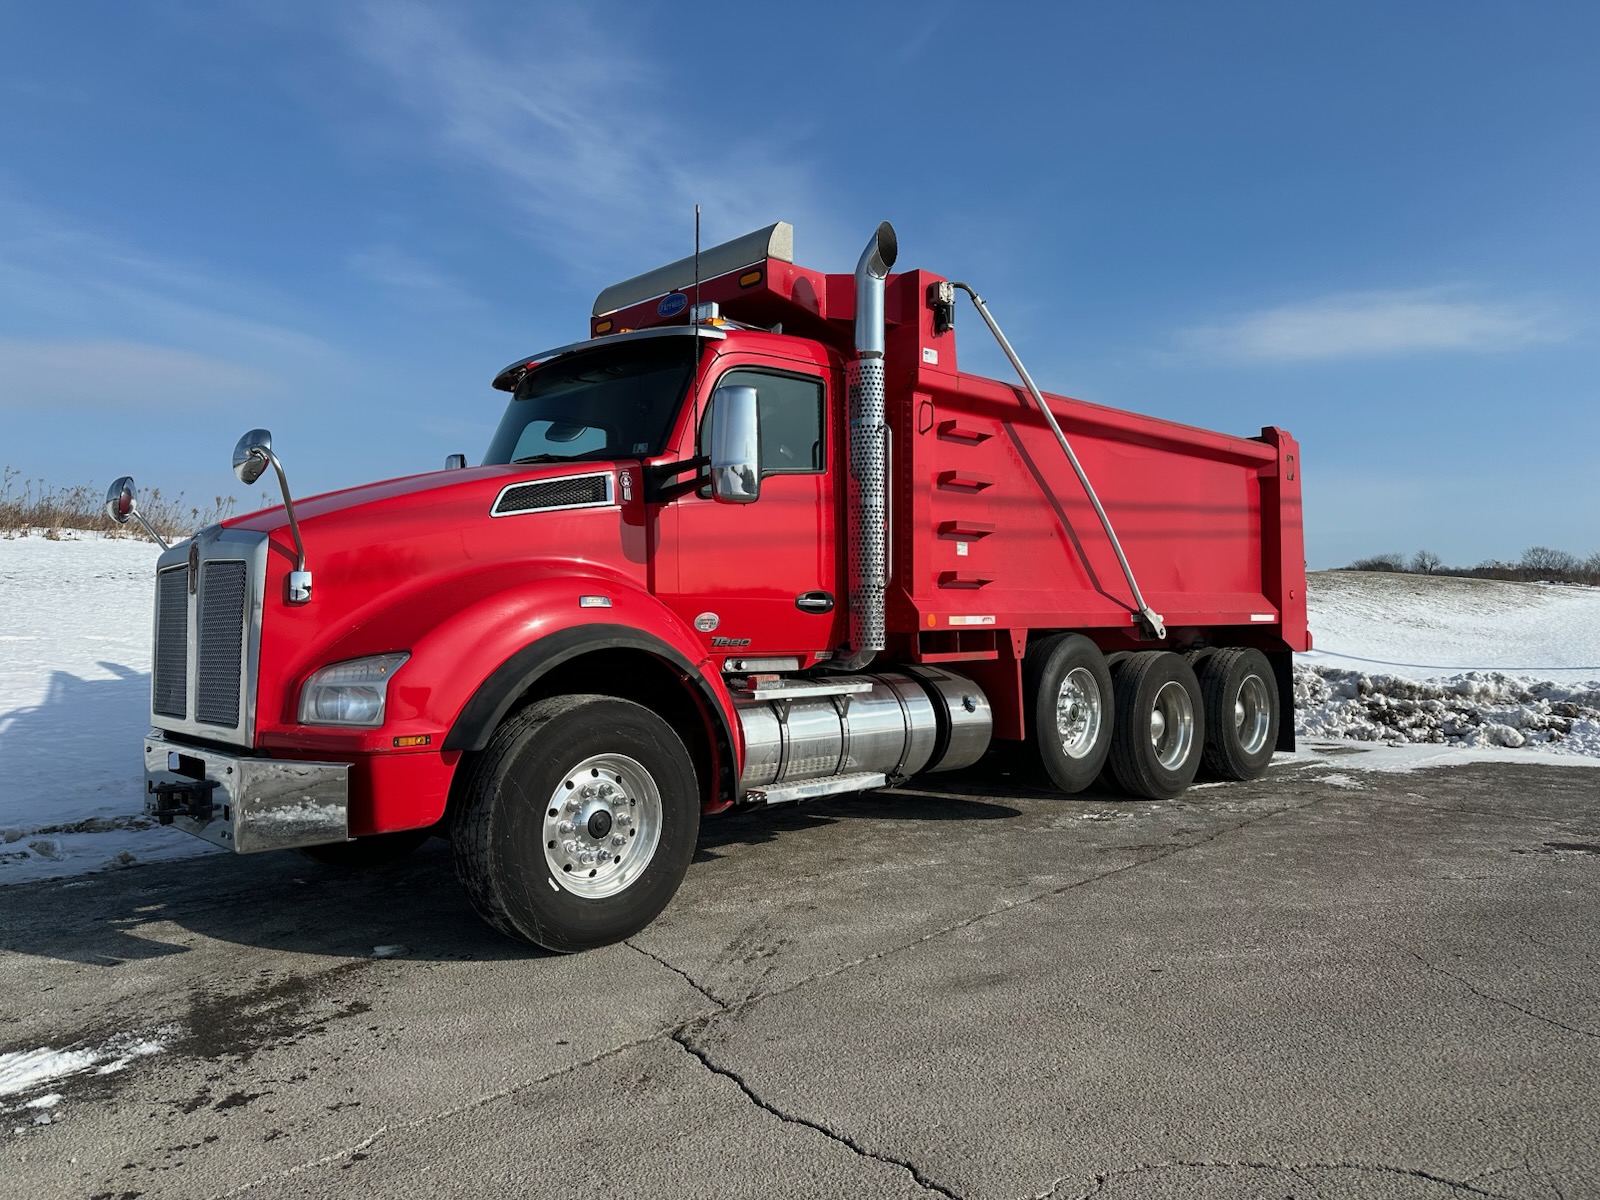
<point x="184" y="800"/>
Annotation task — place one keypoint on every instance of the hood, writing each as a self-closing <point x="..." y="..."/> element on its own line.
<point x="438" y="489"/>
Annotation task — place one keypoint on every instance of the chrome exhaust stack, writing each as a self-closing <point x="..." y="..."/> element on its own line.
<point x="869" y="485"/>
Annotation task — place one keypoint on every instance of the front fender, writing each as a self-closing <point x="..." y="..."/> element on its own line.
<point x="467" y="650"/>
<point x="500" y="691"/>
<point x="473" y="658"/>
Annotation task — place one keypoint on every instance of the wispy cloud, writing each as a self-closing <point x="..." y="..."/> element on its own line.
<point x="597" y="150"/>
<point x="128" y="377"/>
<point x="1373" y="324"/>
<point x="59" y="275"/>
<point x="414" y="282"/>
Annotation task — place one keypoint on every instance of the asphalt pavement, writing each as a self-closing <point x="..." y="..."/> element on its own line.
<point x="1327" y="983"/>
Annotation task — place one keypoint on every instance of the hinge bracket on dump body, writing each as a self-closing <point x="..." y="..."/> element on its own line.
<point x="1151" y="620"/>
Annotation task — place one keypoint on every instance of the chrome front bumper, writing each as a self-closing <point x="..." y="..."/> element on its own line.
<point x="245" y="804"/>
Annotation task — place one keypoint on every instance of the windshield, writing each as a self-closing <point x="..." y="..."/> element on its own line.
<point x="611" y="402"/>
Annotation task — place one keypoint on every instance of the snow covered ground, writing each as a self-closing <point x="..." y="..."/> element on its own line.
<point x="1448" y="662"/>
<point x="75" y="632"/>
<point x="75" y="681"/>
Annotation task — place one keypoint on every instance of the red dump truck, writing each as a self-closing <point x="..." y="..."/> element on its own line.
<point x="756" y="539"/>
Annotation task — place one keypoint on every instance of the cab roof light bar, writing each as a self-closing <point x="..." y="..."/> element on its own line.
<point x="775" y="241"/>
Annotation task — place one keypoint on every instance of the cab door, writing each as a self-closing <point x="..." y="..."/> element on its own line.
<point x="764" y="579"/>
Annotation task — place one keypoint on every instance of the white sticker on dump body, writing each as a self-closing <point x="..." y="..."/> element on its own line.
<point x="983" y="620"/>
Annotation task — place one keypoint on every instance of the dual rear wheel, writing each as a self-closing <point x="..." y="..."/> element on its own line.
<point x="1149" y="720"/>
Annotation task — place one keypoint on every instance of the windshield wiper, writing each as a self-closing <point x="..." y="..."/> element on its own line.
<point x="543" y="458"/>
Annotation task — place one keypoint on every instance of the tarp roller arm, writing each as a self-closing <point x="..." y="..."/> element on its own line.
<point x="1152" y="620"/>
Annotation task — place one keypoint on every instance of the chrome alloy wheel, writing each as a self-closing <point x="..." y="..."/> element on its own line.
<point x="602" y="826"/>
<point x="1172" y="725"/>
<point x="1078" y="712"/>
<point x="1252" y="714"/>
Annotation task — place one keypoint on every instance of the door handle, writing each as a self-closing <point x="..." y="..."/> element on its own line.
<point x="814" y="602"/>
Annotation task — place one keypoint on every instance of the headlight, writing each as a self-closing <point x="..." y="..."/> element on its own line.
<point x="350" y="693"/>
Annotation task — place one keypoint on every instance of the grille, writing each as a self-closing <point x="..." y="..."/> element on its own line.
<point x="169" y="692"/>
<point x="223" y="589"/>
<point x="572" y="491"/>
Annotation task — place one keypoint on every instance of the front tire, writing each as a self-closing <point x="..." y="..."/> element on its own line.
<point x="1067" y="689"/>
<point x="1160" y="726"/>
<point x="577" y="822"/>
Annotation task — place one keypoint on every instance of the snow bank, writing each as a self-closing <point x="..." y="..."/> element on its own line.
<point x="1465" y="663"/>
<point x="1477" y="709"/>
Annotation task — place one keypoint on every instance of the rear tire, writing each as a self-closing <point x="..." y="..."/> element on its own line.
<point x="1240" y="697"/>
<point x="577" y="822"/>
<point x="1159" y="732"/>
<point x="1067" y="690"/>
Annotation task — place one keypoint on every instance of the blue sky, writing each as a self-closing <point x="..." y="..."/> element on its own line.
<point x="1373" y="224"/>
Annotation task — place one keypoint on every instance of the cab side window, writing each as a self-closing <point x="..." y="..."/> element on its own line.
<point x="792" y="420"/>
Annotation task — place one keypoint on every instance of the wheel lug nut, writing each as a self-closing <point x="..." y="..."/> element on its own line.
<point x="617" y="839"/>
<point x="570" y="846"/>
<point x="564" y="827"/>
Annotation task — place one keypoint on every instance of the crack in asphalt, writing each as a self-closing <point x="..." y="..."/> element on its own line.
<point x="1008" y="907"/>
<point x="1526" y="1165"/>
<point x="1103" y="1179"/>
<point x="675" y="1031"/>
<point x="444" y="1114"/>
<point x="700" y="1055"/>
<point x="722" y="1005"/>
<point x="1512" y="1004"/>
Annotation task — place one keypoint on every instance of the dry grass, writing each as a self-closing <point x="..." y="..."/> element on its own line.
<point x="33" y="507"/>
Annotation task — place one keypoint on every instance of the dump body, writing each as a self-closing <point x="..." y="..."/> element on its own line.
<point x="998" y="530"/>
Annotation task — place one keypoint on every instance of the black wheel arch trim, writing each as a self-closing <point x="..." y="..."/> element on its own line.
<point x="510" y="681"/>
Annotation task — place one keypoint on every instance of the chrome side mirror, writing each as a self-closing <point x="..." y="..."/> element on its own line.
<point x="735" y="445"/>
<point x="455" y="462"/>
<point x="122" y="506"/>
<point x="252" y="455"/>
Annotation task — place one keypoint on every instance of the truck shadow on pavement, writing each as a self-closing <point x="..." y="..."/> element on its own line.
<point x="413" y="909"/>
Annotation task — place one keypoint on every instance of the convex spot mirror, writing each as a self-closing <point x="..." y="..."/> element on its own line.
<point x="252" y="455"/>
<point x="735" y="445"/>
<point x="120" y="502"/>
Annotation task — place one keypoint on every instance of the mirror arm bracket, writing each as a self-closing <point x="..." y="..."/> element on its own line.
<point x="658" y="479"/>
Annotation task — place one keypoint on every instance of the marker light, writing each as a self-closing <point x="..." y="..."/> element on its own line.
<point x="350" y="693"/>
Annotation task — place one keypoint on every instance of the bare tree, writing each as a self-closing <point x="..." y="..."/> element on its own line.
<point x="1379" y="562"/>
<point x="1425" y="562"/>
<point x="1545" y="560"/>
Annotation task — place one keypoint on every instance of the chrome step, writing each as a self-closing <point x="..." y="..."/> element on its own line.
<point x="808" y="789"/>
<point x="802" y="689"/>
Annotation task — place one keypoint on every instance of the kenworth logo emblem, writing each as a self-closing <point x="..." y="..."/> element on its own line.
<point x="194" y="566"/>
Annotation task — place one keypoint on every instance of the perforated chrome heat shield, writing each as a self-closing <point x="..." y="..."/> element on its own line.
<point x="864" y="377"/>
